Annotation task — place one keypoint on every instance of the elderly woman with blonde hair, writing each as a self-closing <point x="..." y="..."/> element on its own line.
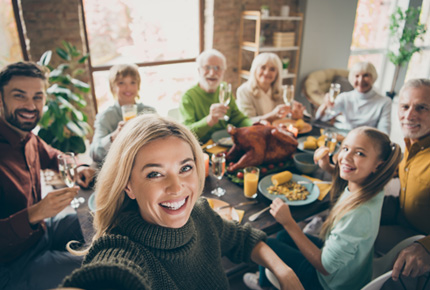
<point x="362" y="106"/>
<point x="152" y="229"/>
<point x="260" y="98"/>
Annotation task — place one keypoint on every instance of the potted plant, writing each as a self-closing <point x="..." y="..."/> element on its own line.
<point x="63" y="124"/>
<point x="264" y="10"/>
<point x="405" y="28"/>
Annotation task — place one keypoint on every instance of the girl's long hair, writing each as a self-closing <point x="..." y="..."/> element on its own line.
<point x="111" y="199"/>
<point x="259" y="61"/>
<point x="389" y="153"/>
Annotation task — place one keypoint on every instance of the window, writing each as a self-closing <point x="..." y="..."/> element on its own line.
<point x="416" y="67"/>
<point x="370" y="38"/>
<point x="161" y="37"/>
<point x="10" y="48"/>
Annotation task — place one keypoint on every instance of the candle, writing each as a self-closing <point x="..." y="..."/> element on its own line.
<point x="293" y="130"/>
<point x="206" y="158"/>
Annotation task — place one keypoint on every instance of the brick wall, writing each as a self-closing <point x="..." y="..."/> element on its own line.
<point x="46" y="24"/>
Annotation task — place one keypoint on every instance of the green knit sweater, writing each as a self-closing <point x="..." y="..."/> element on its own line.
<point x="195" y="106"/>
<point x="139" y="255"/>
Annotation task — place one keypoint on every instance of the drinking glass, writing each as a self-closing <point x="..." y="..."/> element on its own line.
<point x="67" y="168"/>
<point x="225" y="96"/>
<point x="333" y="93"/>
<point x="288" y="96"/>
<point x="128" y="112"/>
<point x="218" y="169"/>
<point x="250" y="181"/>
<point x="330" y="140"/>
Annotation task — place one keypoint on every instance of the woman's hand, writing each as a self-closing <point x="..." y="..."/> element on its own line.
<point x="281" y="212"/>
<point x="298" y="110"/>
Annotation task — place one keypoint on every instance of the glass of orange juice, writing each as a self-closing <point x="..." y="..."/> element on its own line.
<point x="128" y="112"/>
<point x="250" y="181"/>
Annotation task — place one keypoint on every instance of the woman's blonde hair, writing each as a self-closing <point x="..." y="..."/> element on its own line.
<point x="120" y="71"/>
<point x="365" y="67"/>
<point x="260" y="60"/>
<point x="389" y="153"/>
<point x="111" y="199"/>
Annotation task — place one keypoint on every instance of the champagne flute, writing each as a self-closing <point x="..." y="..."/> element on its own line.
<point x="225" y="96"/>
<point x="67" y="167"/>
<point x="333" y="93"/>
<point x="288" y="96"/>
<point x="218" y="169"/>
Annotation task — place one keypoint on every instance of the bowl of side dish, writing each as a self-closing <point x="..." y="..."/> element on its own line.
<point x="304" y="162"/>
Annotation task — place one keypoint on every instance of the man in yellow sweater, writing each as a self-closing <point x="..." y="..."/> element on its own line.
<point x="414" y="173"/>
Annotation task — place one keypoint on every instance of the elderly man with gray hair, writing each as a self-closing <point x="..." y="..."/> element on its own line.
<point x="409" y="214"/>
<point x="200" y="106"/>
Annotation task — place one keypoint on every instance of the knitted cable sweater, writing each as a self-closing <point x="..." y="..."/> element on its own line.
<point x="139" y="255"/>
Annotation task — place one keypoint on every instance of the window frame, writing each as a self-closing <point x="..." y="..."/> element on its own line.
<point x="93" y="69"/>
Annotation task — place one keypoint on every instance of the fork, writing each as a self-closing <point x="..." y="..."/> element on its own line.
<point x="257" y="214"/>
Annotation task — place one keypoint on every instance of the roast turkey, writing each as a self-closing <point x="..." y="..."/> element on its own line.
<point x="259" y="144"/>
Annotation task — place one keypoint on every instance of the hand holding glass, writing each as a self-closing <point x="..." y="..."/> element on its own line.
<point x="225" y="96"/>
<point x="128" y="112"/>
<point x="333" y="93"/>
<point x="67" y="168"/>
<point x="288" y="96"/>
<point x="218" y="169"/>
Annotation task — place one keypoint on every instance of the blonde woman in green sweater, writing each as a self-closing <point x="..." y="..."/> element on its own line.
<point x="152" y="231"/>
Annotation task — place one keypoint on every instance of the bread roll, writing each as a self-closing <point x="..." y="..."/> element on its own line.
<point x="321" y="153"/>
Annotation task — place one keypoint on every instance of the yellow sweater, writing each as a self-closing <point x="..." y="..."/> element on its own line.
<point x="414" y="174"/>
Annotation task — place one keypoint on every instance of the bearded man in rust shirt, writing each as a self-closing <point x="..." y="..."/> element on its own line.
<point x="33" y="242"/>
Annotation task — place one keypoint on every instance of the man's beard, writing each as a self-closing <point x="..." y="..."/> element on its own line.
<point x="12" y="118"/>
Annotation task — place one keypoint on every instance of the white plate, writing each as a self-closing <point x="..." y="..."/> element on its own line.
<point x="313" y="189"/>
<point x="219" y="136"/>
<point x="92" y="202"/>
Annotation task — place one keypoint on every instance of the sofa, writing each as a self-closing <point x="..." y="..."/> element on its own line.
<point x="317" y="84"/>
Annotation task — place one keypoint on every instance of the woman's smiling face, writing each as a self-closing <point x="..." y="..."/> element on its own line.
<point x="164" y="182"/>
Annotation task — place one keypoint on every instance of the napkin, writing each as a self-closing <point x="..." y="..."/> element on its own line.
<point x="214" y="150"/>
<point x="216" y="202"/>
<point x="324" y="187"/>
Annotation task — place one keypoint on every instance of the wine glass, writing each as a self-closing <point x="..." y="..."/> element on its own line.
<point x="333" y="93"/>
<point x="288" y="96"/>
<point x="218" y="169"/>
<point x="67" y="168"/>
<point x="225" y="96"/>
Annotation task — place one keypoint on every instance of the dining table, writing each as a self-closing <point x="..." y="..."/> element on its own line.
<point x="233" y="196"/>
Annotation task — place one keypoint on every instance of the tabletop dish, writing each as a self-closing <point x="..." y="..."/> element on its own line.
<point x="223" y="138"/>
<point x="303" y="139"/>
<point x="305" y="129"/>
<point x="92" y="202"/>
<point x="228" y="213"/>
<point x="314" y="191"/>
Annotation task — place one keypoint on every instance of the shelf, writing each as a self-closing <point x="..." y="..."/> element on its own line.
<point x="268" y="48"/>
<point x="273" y="18"/>
<point x="245" y="75"/>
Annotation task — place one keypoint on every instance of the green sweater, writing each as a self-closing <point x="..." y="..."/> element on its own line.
<point x="194" y="109"/>
<point x="139" y="255"/>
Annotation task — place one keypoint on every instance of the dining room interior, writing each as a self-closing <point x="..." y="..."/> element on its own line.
<point x="315" y="40"/>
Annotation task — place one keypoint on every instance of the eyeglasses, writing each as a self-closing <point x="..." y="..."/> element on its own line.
<point x="216" y="68"/>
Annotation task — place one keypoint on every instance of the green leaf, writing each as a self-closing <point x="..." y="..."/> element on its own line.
<point x="83" y="87"/>
<point x="45" y="58"/>
<point x="78" y="144"/>
<point x="63" y="54"/>
<point x="75" y="129"/>
<point x="78" y="115"/>
<point x="58" y="90"/>
<point x="83" y="59"/>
